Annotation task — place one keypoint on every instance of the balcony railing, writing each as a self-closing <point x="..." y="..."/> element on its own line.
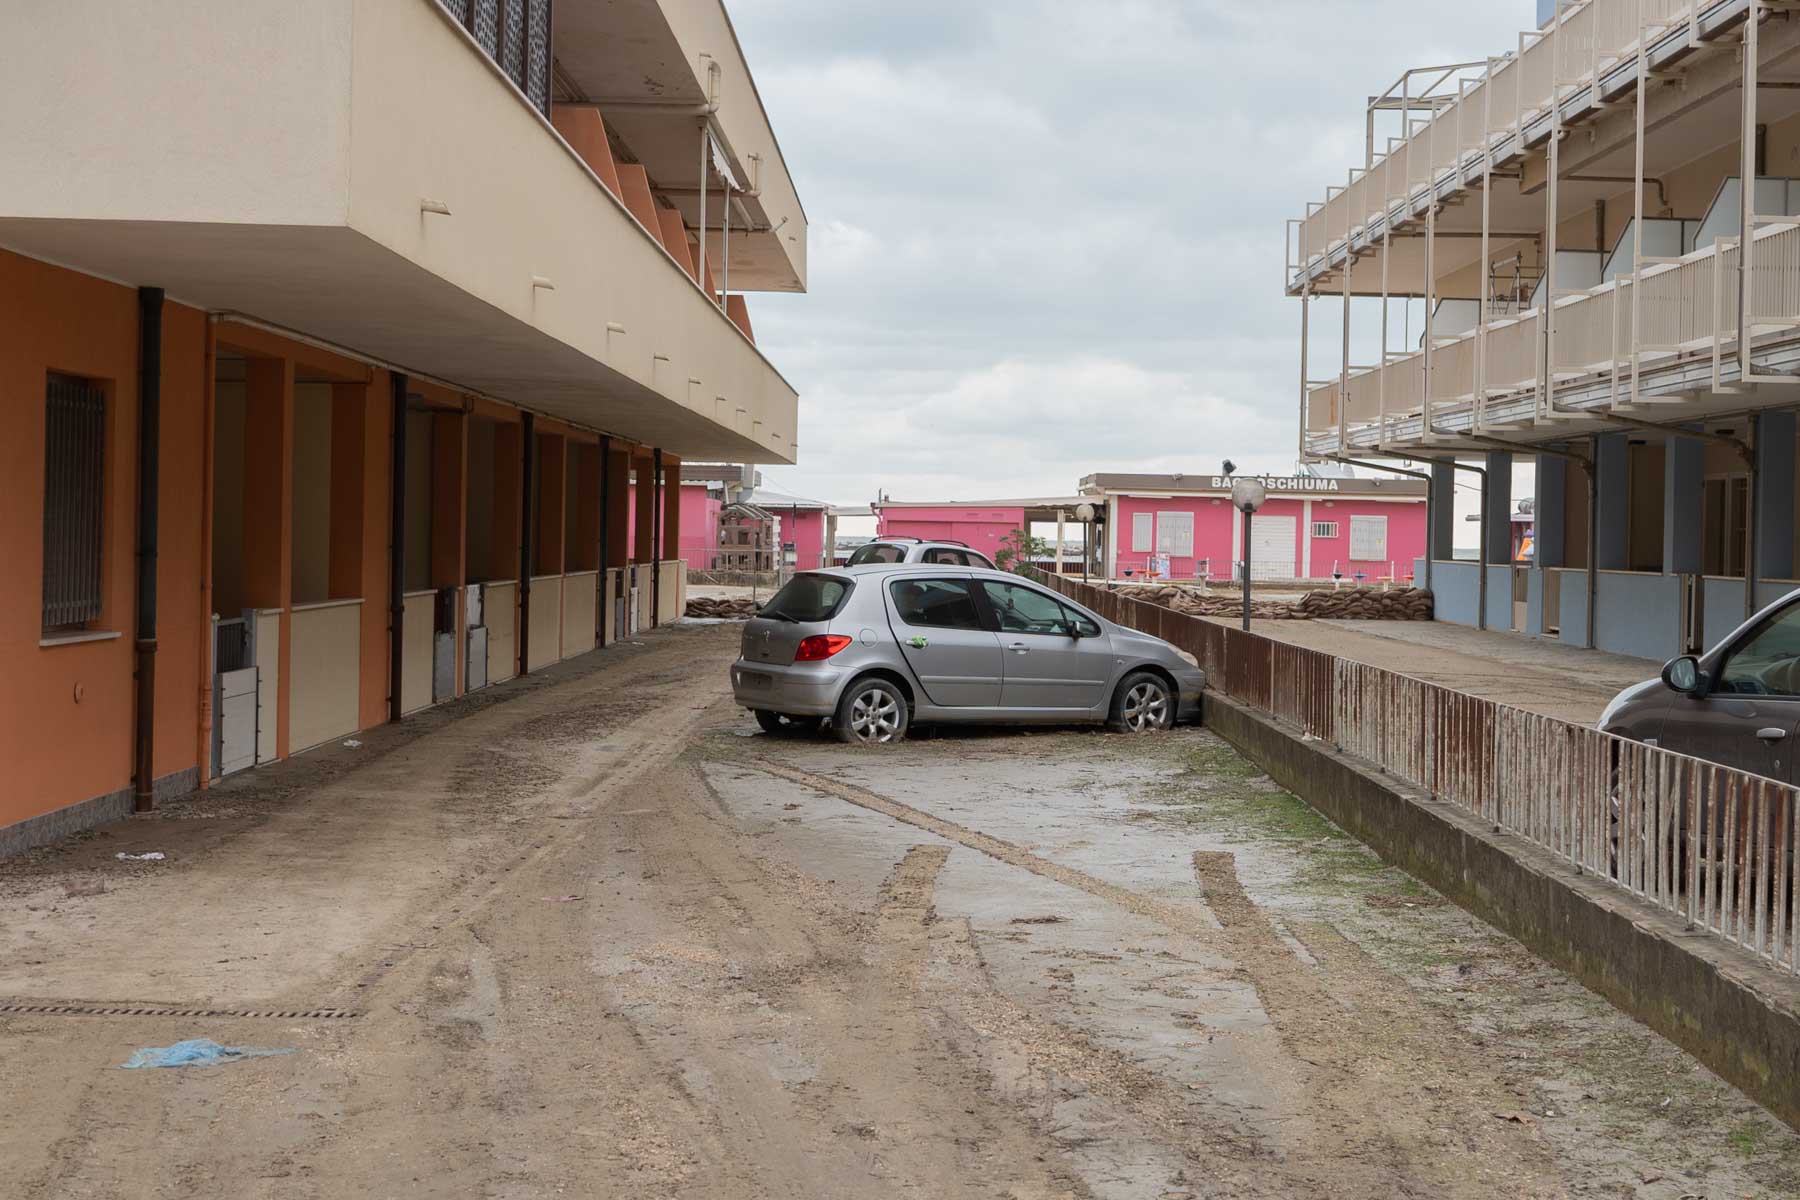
<point x="516" y="35"/>
<point x="1687" y="311"/>
<point x="1488" y="106"/>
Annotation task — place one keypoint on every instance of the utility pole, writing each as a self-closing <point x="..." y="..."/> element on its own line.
<point x="1247" y="495"/>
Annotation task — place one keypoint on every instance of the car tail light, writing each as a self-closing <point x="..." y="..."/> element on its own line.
<point x="820" y="646"/>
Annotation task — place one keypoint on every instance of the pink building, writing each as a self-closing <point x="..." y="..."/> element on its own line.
<point x="1311" y="527"/>
<point x="804" y="525"/>
<point x="981" y="527"/>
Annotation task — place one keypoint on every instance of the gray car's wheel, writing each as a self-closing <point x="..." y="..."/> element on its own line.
<point x="871" y="712"/>
<point x="781" y="725"/>
<point x="1143" y="703"/>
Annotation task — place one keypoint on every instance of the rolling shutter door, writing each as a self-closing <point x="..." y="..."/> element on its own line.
<point x="1272" y="541"/>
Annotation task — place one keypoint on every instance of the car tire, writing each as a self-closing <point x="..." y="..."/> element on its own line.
<point x="781" y="725"/>
<point x="1143" y="703"/>
<point x="871" y="712"/>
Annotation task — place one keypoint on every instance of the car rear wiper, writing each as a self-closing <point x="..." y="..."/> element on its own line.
<point x="779" y="616"/>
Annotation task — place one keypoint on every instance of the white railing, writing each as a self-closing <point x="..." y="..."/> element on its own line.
<point x="1688" y="309"/>
<point x="1488" y="105"/>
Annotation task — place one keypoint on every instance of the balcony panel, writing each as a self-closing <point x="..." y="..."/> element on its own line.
<point x="336" y="244"/>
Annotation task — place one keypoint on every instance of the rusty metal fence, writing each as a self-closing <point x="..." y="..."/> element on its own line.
<point x="1714" y="846"/>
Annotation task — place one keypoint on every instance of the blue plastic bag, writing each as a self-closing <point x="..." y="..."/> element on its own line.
<point x="195" y="1052"/>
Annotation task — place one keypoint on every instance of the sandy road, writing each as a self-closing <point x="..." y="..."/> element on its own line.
<point x="602" y="941"/>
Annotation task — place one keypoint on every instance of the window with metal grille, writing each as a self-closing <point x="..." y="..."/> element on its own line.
<point x="1143" y="526"/>
<point x="74" y="486"/>
<point x="1175" y="534"/>
<point x="516" y="35"/>
<point x="1368" y="538"/>
<point x="1325" y="529"/>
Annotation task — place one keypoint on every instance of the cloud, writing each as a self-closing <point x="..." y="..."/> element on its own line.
<point x="1047" y="235"/>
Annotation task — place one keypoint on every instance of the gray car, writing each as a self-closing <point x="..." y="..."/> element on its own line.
<point x="918" y="550"/>
<point x="1738" y="704"/>
<point x="875" y="648"/>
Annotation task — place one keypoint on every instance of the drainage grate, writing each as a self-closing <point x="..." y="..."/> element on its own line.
<point x="39" y="1008"/>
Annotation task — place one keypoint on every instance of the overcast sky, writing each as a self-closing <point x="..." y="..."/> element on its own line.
<point x="1046" y="235"/>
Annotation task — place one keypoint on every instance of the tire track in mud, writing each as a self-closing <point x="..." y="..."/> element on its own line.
<point x="1401" y="1103"/>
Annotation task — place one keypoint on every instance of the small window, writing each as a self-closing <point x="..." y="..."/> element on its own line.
<point x="1142" y="538"/>
<point x="947" y="558"/>
<point x="1368" y="538"/>
<point x="74" y="487"/>
<point x="1021" y="609"/>
<point x="808" y="599"/>
<point x="1175" y="534"/>
<point x="1088" y="626"/>
<point x="1325" y="529"/>
<point x="935" y="603"/>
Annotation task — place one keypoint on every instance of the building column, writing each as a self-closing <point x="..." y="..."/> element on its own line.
<point x="1548" y="511"/>
<point x="831" y="519"/>
<point x="1684" y="479"/>
<point x="450" y="522"/>
<point x="269" y="512"/>
<point x="671" y="504"/>
<point x="1612" y="459"/>
<point x="1441" y="545"/>
<point x="1498" y="484"/>
<point x="643" y="497"/>
<point x="1774" y="496"/>
<point x="616" y="517"/>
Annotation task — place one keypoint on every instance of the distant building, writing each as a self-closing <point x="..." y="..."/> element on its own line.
<point x="1313" y="526"/>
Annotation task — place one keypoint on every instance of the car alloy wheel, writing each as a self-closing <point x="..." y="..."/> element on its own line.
<point x="1146" y="707"/>
<point x="875" y="715"/>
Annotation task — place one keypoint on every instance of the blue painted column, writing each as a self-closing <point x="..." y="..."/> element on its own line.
<point x="1612" y="460"/>
<point x="1499" y="466"/>
<point x="1774" y="496"/>
<point x="1548" y="511"/>
<point x="1684" y="475"/>
<point x="1441" y="546"/>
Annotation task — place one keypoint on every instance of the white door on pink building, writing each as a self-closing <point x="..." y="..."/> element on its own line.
<point x="1272" y="545"/>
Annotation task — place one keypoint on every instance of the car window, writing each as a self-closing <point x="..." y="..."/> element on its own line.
<point x="1767" y="663"/>
<point x="1021" y="609"/>
<point x="948" y="558"/>
<point x="877" y="552"/>
<point x="935" y="603"/>
<point x="807" y="598"/>
<point x="1084" y="622"/>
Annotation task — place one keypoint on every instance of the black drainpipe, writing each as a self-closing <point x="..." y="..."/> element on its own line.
<point x="527" y="509"/>
<point x="606" y="592"/>
<point x="397" y="386"/>
<point x="150" y="314"/>
<point x="656" y="490"/>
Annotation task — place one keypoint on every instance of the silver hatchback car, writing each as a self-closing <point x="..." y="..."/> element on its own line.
<point x="876" y="648"/>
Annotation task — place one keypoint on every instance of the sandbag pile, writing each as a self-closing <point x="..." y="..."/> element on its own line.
<point x="1368" y="604"/>
<point x="726" y="608"/>
<point x="1348" y="604"/>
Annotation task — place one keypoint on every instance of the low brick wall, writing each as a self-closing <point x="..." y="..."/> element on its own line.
<point x="1738" y="1017"/>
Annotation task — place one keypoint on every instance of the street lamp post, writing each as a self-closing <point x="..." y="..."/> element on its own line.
<point x="1085" y="514"/>
<point x="1247" y="495"/>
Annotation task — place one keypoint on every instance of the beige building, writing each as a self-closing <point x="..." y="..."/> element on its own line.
<point x="350" y="351"/>
<point x="1566" y="217"/>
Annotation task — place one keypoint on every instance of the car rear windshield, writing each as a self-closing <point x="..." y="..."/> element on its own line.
<point x="878" y="552"/>
<point x="808" y="598"/>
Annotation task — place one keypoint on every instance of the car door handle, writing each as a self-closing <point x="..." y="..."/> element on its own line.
<point x="1771" y="734"/>
<point x="1019" y="648"/>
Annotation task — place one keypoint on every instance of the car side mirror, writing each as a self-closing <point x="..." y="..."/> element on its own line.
<point x="1685" y="676"/>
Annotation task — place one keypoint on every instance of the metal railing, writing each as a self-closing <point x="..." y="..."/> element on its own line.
<point x="1689" y="309"/>
<point x="1714" y="846"/>
<point x="1471" y="110"/>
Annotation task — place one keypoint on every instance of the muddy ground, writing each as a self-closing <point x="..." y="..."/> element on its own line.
<point x="600" y="937"/>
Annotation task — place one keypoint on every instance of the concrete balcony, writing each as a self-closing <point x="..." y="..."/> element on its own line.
<point x="359" y="172"/>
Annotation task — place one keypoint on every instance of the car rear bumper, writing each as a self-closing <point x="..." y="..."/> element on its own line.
<point x="800" y="690"/>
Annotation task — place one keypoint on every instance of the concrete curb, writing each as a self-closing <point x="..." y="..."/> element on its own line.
<point x="1740" y="1018"/>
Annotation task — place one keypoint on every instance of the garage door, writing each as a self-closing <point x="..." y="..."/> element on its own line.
<point x="1272" y="547"/>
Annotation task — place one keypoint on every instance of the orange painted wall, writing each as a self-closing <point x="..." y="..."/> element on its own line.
<point x="585" y="132"/>
<point x="60" y="750"/>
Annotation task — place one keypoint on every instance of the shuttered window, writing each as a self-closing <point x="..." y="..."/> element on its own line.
<point x="1325" y="529"/>
<point x="1143" y="526"/>
<point x="1175" y="534"/>
<point x="74" y="487"/>
<point x="1368" y="538"/>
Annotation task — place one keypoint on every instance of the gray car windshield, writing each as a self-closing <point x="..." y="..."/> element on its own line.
<point x="807" y="599"/>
